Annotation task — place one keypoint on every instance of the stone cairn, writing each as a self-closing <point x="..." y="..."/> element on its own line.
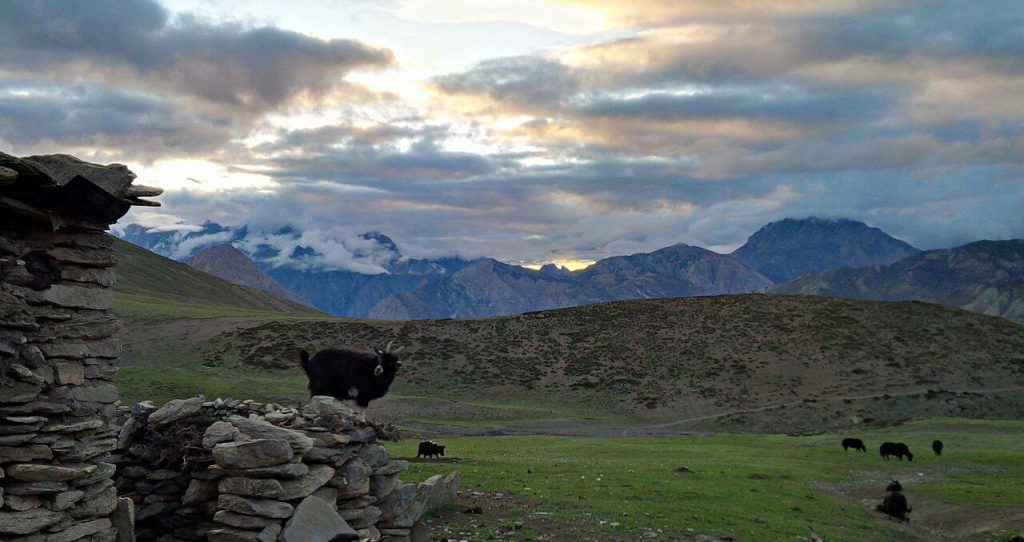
<point x="57" y="354"/>
<point x="242" y="471"/>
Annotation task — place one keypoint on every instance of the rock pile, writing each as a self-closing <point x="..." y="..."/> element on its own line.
<point x="243" y="471"/>
<point x="57" y="357"/>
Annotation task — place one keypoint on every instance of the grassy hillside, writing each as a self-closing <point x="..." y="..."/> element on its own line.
<point x="151" y="286"/>
<point x="747" y="362"/>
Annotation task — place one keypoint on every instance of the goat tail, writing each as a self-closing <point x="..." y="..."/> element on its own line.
<point x="304" y="360"/>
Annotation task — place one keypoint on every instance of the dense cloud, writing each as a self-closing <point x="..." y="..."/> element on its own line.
<point x="84" y="115"/>
<point x="249" y="68"/>
<point x="689" y="121"/>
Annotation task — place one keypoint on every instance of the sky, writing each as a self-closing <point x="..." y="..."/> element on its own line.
<point x="534" y="131"/>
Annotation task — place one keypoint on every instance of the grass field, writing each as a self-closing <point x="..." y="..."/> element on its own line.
<point x="750" y="487"/>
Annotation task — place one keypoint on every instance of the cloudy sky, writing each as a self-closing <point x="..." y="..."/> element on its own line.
<point x="535" y="130"/>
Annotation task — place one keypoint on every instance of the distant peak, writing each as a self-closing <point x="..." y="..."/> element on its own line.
<point x="381" y="239"/>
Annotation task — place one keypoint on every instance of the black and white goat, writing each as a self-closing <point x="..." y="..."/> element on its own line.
<point x="347" y="374"/>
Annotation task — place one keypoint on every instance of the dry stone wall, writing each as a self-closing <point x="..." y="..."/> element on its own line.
<point x="229" y="471"/>
<point x="57" y="359"/>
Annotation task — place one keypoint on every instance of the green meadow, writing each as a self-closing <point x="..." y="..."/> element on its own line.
<point x="746" y="486"/>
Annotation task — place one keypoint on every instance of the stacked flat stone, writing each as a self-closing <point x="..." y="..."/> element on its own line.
<point x="270" y="473"/>
<point x="57" y="358"/>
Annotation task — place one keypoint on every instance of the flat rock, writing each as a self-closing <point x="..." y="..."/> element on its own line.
<point x="360" y="518"/>
<point x="287" y="470"/>
<point x="103" y="472"/>
<point x="65" y="500"/>
<point x="69" y="373"/>
<point x="242" y="521"/>
<point x="199" y="491"/>
<point x="26" y="375"/>
<point x="34" y="488"/>
<point x="99" y="505"/>
<point x="47" y="473"/>
<point x="315" y="521"/>
<point x="219" y="432"/>
<point x="79" y="530"/>
<point x="392" y="467"/>
<point x="10" y="454"/>
<point x="231" y="535"/>
<point x="77" y="297"/>
<point x="29" y="521"/>
<point x="73" y="427"/>
<point x="374" y="455"/>
<point x="382" y="485"/>
<point x="401" y="508"/>
<point x="21" y="503"/>
<point x="269" y="533"/>
<point x="176" y="409"/>
<point x="251" y="487"/>
<point x="255" y="507"/>
<point x="326" y="406"/>
<point x="101" y="393"/>
<point x="19" y="392"/>
<point x="37" y="407"/>
<point x="303" y="486"/>
<point x="353" y="479"/>
<point x="105" y="348"/>
<point x="254" y="453"/>
<point x="259" y="429"/>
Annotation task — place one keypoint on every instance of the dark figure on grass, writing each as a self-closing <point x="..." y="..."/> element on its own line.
<point x="429" y="448"/>
<point x="347" y="374"/>
<point x="937" y="447"/>
<point x="855" y="443"/>
<point x="897" y="449"/>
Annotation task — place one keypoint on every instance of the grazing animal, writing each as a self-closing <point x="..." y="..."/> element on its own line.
<point x="937" y="447"/>
<point x="855" y="443"/>
<point x="895" y="505"/>
<point x="897" y="449"/>
<point x="894" y="485"/>
<point x="347" y="374"/>
<point x="429" y="448"/>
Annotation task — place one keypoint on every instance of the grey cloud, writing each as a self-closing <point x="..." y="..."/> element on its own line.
<point x="526" y="80"/>
<point x="252" y="69"/>
<point x="786" y="102"/>
<point x="90" y="115"/>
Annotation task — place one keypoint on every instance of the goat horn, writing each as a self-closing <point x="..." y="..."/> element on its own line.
<point x="388" y="347"/>
<point x="399" y="349"/>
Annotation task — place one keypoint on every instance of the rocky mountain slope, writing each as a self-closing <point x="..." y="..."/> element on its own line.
<point x="227" y="262"/>
<point x="985" y="277"/>
<point x="491" y="288"/>
<point x="789" y="248"/>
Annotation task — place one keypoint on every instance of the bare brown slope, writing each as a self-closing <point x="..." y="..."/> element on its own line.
<point x="795" y="362"/>
<point x="227" y="262"/>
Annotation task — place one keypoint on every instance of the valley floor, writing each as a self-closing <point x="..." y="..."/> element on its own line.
<point x="745" y="486"/>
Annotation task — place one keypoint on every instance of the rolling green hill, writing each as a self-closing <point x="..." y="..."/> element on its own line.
<point x="151" y="286"/>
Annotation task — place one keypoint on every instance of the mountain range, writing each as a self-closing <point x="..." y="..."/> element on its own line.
<point x="816" y="256"/>
<point x="985" y="277"/>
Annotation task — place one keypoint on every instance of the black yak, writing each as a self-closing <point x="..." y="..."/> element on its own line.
<point x="895" y="505"/>
<point x="429" y="448"/>
<point x="855" y="443"/>
<point x="347" y="374"/>
<point x="897" y="449"/>
<point x="894" y="485"/>
<point x="937" y="447"/>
